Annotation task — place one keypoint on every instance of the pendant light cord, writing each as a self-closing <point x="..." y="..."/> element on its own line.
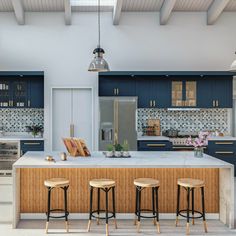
<point x="99" y="24"/>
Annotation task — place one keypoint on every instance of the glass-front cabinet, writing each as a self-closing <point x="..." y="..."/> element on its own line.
<point x="21" y="91"/>
<point x="184" y="93"/>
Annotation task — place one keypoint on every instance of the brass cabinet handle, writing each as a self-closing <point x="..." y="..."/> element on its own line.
<point x="219" y="152"/>
<point x="28" y="103"/>
<point x="188" y="147"/>
<point x="154" y="103"/>
<point x="32" y="143"/>
<point x="114" y="91"/>
<point x="217" y="103"/>
<point x="71" y="130"/>
<point x="213" y="103"/>
<point x="156" y="145"/>
<point x="150" y="103"/>
<point x="224" y="143"/>
<point x="117" y="93"/>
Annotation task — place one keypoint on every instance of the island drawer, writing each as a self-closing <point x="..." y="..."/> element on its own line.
<point x="31" y="145"/>
<point x="222" y="145"/>
<point x="154" y="145"/>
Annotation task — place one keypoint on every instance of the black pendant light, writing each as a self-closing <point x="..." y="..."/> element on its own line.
<point x="98" y="64"/>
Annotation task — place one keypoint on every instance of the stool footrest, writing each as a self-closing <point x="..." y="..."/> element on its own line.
<point x="59" y="211"/>
<point x="103" y="211"/>
<point x="190" y="212"/>
<point x="147" y="211"/>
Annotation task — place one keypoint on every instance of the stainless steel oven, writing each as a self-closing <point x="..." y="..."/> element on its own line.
<point x="9" y="153"/>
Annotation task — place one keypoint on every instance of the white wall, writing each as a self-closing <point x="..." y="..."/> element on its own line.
<point x="138" y="43"/>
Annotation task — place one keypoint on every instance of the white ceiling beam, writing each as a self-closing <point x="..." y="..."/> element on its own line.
<point x="19" y="11"/>
<point x="166" y="10"/>
<point x="117" y="11"/>
<point x="67" y="12"/>
<point x="215" y="10"/>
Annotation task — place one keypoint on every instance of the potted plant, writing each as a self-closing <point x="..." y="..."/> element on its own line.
<point x="35" y="130"/>
<point x="110" y="150"/>
<point x="118" y="149"/>
<point x="198" y="143"/>
<point x="126" y="148"/>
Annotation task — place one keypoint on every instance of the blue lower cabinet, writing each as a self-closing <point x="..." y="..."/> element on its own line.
<point x="154" y="146"/>
<point x="223" y="150"/>
<point x="29" y="145"/>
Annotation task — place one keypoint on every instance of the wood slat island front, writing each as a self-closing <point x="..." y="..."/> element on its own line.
<point x="31" y="171"/>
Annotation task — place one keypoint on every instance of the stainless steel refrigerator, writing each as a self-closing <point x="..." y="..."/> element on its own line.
<point x="117" y="121"/>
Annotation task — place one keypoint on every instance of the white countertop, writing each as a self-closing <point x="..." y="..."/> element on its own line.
<point x="154" y="138"/>
<point x="222" y="138"/>
<point x="139" y="159"/>
<point x="18" y="138"/>
<point x="164" y="138"/>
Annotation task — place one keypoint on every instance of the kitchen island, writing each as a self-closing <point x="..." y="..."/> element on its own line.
<point x="30" y="171"/>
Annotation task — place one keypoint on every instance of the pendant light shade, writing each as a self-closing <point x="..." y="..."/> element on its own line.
<point x="98" y="64"/>
<point x="233" y="65"/>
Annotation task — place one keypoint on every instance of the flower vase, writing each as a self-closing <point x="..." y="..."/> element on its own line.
<point x="198" y="152"/>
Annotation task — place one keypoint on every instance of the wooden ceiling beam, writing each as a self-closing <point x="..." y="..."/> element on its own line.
<point x="19" y="11"/>
<point x="67" y="12"/>
<point x="215" y="10"/>
<point x="117" y="11"/>
<point x="166" y="10"/>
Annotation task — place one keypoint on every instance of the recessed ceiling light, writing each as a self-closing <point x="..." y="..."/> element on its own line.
<point x="91" y="2"/>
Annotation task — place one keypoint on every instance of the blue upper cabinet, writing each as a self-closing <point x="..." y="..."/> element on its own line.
<point x="117" y="85"/>
<point x="215" y="92"/>
<point x="171" y="89"/>
<point x="153" y="92"/>
<point x="21" y="90"/>
<point x="36" y="93"/>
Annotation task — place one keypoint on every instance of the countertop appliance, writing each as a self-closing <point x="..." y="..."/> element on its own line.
<point x="117" y="121"/>
<point x="9" y="153"/>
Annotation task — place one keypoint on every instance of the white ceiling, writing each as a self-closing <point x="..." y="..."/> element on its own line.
<point x="165" y="6"/>
<point x="128" y="5"/>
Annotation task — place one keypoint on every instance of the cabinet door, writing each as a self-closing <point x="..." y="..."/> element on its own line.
<point x="223" y="93"/>
<point x="5" y="92"/>
<point x="161" y="92"/>
<point x="107" y="86"/>
<point x="143" y="91"/>
<point x="20" y="93"/>
<point x="36" y="93"/>
<point x="205" y="97"/>
<point x="117" y="86"/>
<point x="177" y="90"/>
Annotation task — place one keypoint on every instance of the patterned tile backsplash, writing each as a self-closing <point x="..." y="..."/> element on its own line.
<point x="16" y="120"/>
<point x="186" y="120"/>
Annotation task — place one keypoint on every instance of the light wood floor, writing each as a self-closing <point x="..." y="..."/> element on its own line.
<point x="125" y="228"/>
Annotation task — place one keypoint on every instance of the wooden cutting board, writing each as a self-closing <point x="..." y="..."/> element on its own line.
<point x="156" y="123"/>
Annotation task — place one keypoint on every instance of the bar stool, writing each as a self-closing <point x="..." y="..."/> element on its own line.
<point x="143" y="183"/>
<point x="189" y="185"/>
<point x="106" y="185"/>
<point x="57" y="183"/>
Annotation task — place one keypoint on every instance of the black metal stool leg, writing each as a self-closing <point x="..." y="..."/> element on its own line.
<point x="66" y="212"/>
<point x="139" y="208"/>
<point x="91" y="208"/>
<point x="188" y="203"/>
<point x="106" y="191"/>
<point x="153" y="205"/>
<point x="177" y="209"/>
<point x="157" y="210"/>
<point x="136" y="206"/>
<point x="114" y="205"/>
<point x="203" y="209"/>
<point x="98" y="204"/>
<point x="49" y="208"/>
<point x="193" y="206"/>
